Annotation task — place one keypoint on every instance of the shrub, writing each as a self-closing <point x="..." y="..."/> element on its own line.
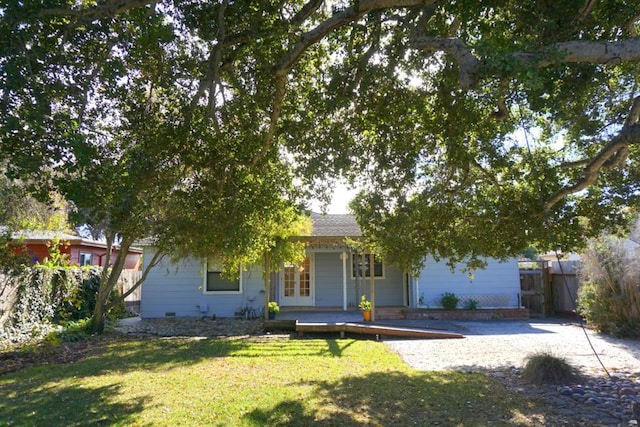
<point x="545" y="368"/>
<point x="609" y="297"/>
<point x="471" y="304"/>
<point x="43" y="297"/>
<point x="449" y="301"/>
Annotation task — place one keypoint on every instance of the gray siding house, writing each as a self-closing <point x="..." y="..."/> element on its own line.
<point x="331" y="277"/>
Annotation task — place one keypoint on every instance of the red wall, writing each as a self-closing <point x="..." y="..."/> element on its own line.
<point x="39" y="252"/>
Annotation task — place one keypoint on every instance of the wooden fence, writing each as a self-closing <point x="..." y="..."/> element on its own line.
<point x="127" y="279"/>
<point x="549" y="287"/>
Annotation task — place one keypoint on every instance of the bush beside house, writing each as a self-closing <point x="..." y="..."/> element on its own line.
<point x="609" y="298"/>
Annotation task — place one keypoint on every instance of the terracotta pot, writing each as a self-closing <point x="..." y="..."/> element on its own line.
<point x="366" y="315"/>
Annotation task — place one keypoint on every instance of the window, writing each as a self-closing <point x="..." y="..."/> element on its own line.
<point x="85" y="259"/>
<point x="360" y="266"/>
<point x="215" y="283"/>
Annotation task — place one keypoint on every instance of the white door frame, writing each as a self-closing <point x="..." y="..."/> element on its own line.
<point x="297" y="300"/>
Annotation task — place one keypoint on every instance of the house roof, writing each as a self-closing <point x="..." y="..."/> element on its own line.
<point x="45" y="236"/>
<point x="334" y="225"/>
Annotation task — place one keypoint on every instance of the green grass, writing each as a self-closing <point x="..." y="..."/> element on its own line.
<point x="271" y="381"/>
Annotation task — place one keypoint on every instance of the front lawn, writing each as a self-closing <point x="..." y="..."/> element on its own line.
<point x="258" y="381"/>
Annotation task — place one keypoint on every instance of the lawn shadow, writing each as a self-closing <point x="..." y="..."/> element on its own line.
<point x="397" y="398"/>
<point x="159" y="354"/>
<point x="30" y="404"/>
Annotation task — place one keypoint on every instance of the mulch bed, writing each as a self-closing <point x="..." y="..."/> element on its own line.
<point x="44" y="354"/>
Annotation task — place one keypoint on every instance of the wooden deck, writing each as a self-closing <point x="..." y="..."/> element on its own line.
<point x="358" y="328"/>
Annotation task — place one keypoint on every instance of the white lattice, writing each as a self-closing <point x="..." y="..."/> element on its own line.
<point x="485" y="301"/>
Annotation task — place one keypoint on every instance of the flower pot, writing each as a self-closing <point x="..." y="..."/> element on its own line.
<point x="272" y="315"/>
<point x="366" y="315"/>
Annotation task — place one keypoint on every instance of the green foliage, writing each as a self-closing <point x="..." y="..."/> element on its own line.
<point x="274" y="307"/>
<point x="46" y="297"/>
<point x="609" y="297"/>
<point x="208" y="125"/>
<point x="13" y="257"/>
<point x="449" y="301"/>
<point x="545" y="368"/>
<point x="56" y="258"/>
<point x="471" y="304"/>
<point x="365" y="304"/>
<point x="73" y="331"/>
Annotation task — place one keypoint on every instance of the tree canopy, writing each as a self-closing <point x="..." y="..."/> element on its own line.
<point x="475" y="128"/>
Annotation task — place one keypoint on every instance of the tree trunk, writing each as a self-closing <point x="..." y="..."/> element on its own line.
<point x="108" y="281"/>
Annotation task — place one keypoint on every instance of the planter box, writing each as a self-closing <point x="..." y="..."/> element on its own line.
<point x="439" y="314"/>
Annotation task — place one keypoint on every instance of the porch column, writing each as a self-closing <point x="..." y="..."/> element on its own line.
<point x="267" y="285"/>
<point x="344" y="257"/>
<point x="372" y="276"/>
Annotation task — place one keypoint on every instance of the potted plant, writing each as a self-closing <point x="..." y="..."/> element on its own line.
<point x="274" y="309"/>
<point x="365" y="307"/>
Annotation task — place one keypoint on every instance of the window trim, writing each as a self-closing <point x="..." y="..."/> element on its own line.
<point x="84" y="254"/>
<point x="382" y="263"/>
<point x="204" y="282"/>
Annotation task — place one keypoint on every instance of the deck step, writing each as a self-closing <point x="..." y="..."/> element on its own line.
<point x="373" y="329"/>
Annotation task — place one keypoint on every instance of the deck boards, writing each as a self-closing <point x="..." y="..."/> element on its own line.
<point x="380" y="330"/>
<point x="373" y="329"/>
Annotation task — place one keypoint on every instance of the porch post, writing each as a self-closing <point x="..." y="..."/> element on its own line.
<point x="267" y="285"/>
<point x="372" y="275"/>
<point x="344" y="257"/>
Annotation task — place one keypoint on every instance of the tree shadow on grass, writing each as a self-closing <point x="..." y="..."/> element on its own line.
<point x="28" y="405"/>
<point x="396" y="398"/>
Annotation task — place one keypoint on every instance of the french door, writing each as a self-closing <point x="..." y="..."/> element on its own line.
<point x="296" y="284"/>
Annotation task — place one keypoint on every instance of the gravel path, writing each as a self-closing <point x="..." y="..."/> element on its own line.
<point x="493" y="344"/>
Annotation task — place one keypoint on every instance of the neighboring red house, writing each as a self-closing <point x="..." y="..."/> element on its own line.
<point x="80" y="251"/>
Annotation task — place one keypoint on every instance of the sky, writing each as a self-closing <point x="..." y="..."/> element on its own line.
<point x="342" y="195"/>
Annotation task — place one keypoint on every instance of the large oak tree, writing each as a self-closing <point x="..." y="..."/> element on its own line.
<point x="476" y="128"/>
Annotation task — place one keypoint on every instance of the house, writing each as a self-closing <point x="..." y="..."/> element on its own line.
<point x="78" y="250"/>
<point x="331" y="277"/>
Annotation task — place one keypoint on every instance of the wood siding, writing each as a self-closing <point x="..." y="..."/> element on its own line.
<point x="177" y="289"/>
<point x="499" y="282"/>
<point x="328" y="275"/>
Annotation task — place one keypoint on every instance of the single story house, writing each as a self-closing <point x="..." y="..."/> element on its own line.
<point x="331" y="277"/>
<point x="78" y="250"/>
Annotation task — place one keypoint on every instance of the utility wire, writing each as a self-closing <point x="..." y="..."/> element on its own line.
<point x="547" y="223"/>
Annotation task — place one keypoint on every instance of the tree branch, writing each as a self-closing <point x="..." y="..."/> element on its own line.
<point x="307" y="10"/>
<point x="580" y="51"/>
<point x="307" y="40"/>
<point x="607" y="157"/>
<point x="107" y="9"/>
<point x="347" y="16"/>
<point x="157" y="257"/>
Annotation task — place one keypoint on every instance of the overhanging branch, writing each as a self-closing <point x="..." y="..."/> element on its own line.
<point x="578" y="51"/>
<point x="617" y="147"/>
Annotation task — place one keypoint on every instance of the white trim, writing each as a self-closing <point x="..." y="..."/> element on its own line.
<point x="204" y="283"/>
<point x="311" y="299"/>
<point x="344" y="256"/>
<point x="384" y="269"/>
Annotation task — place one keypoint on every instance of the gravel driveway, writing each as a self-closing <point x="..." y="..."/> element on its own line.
<point x="492" y="344"/>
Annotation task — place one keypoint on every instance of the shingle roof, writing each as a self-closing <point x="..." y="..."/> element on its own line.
<point x="334" y="225"/>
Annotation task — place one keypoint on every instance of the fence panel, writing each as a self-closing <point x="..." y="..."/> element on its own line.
<point x="127" y="279"/>
<point x="565" y="283"/>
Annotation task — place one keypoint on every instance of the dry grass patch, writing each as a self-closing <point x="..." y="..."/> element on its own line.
<point x="546" y="368"/>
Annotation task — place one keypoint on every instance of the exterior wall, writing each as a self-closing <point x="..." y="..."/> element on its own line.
<point x="40" y="251"/>
<point x="497" y="286"/>
<point x="329" y="287"/>
<point x="176" y="289"/>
